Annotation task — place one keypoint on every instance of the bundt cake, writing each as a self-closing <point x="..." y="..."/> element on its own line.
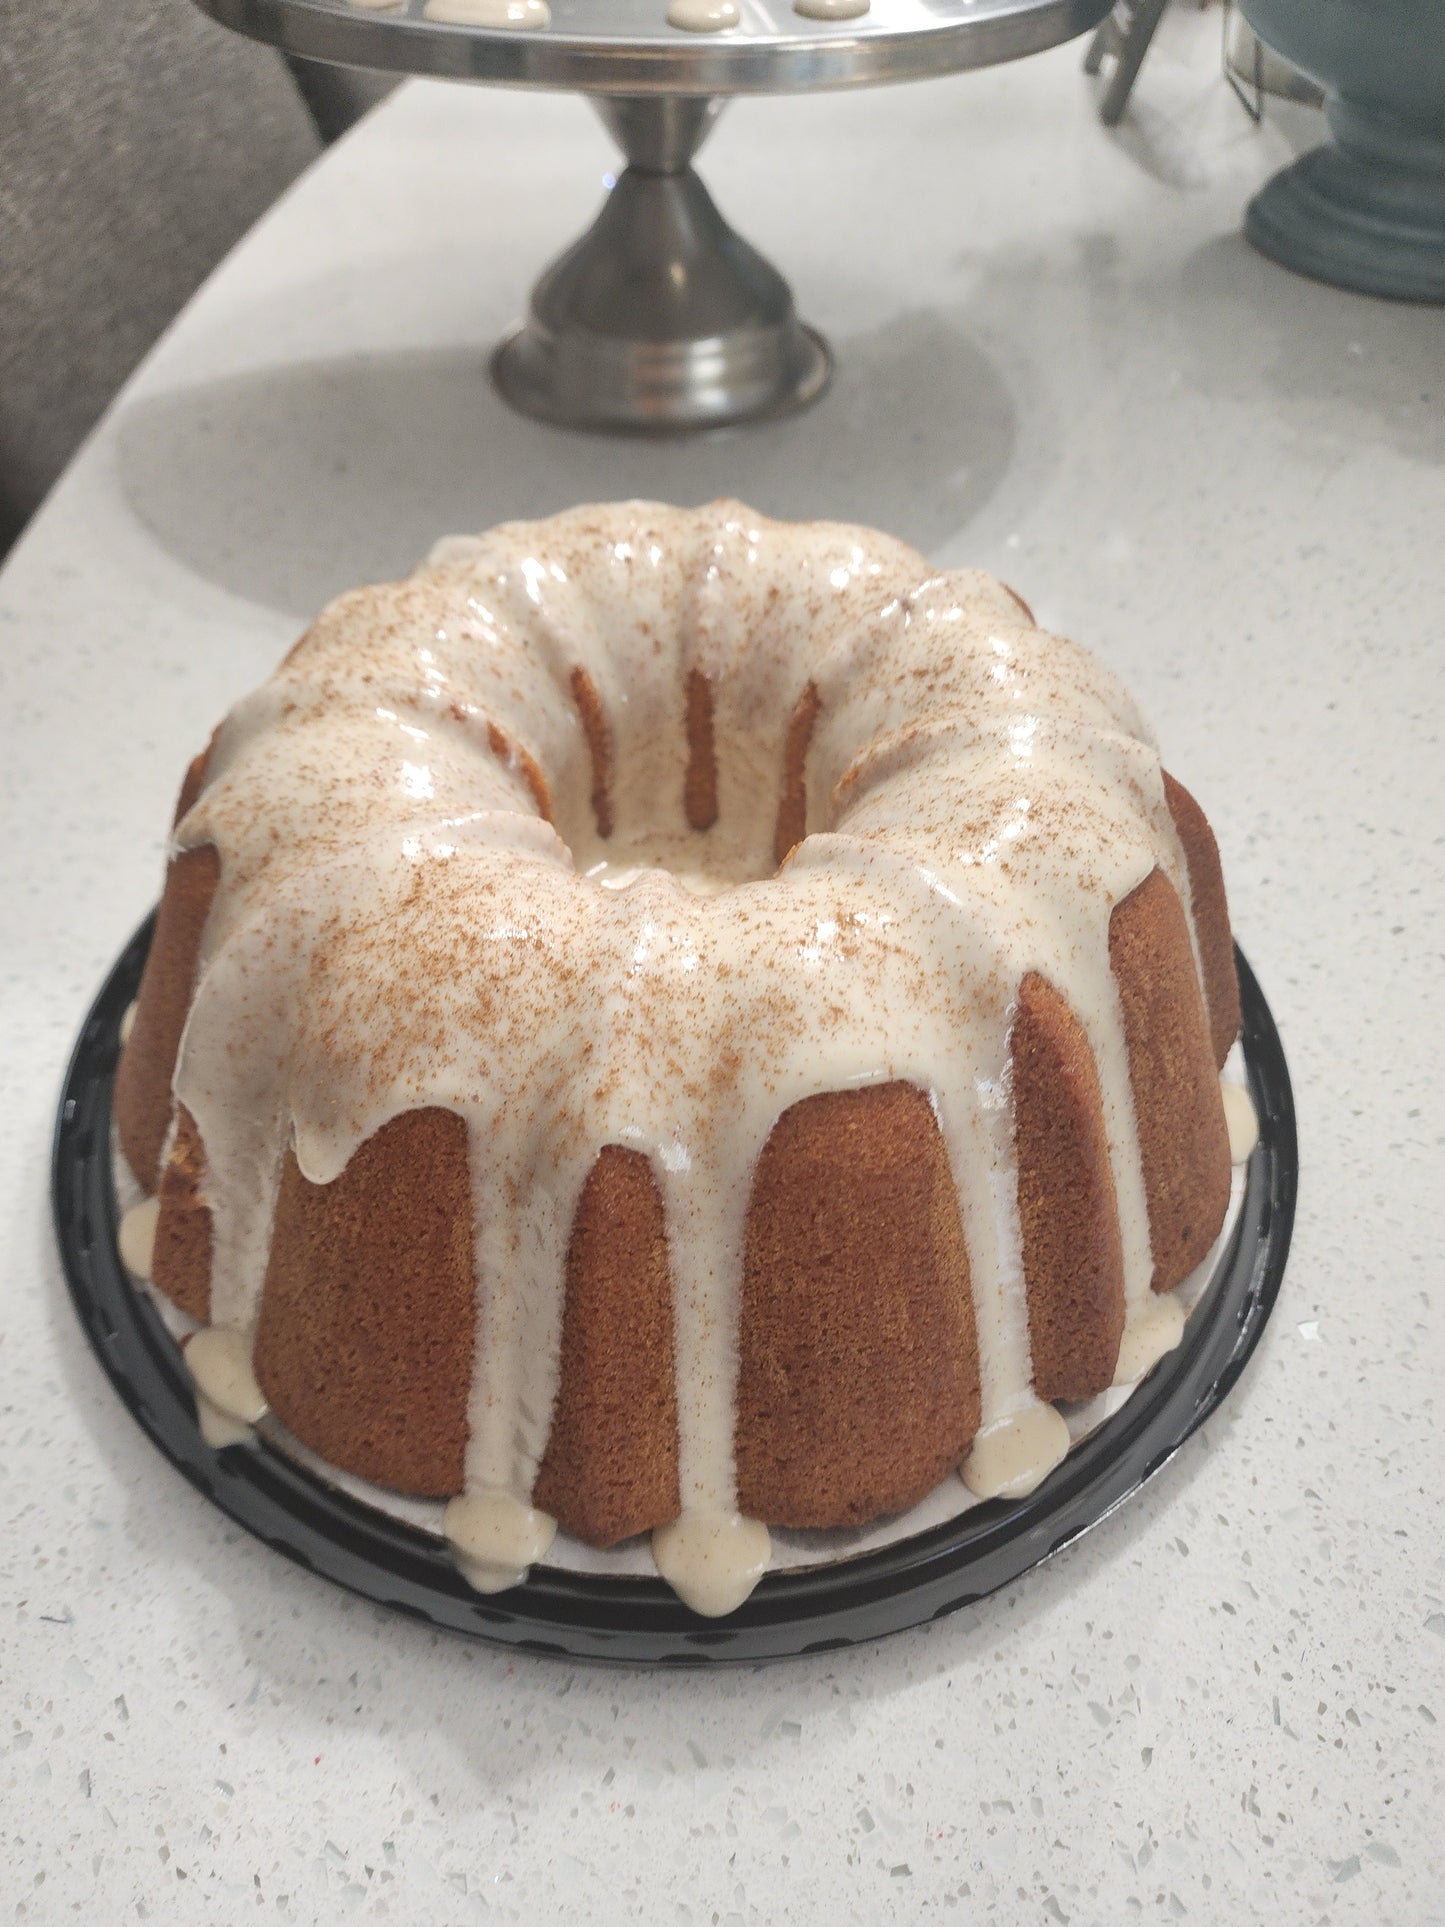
<point x="668" y="1020"/>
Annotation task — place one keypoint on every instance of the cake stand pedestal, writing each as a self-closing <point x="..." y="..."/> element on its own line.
<point x="662" y="318"/>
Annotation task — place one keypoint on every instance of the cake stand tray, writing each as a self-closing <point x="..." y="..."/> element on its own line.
<point x="661" y="318"/>
<point x="635" y="1620"/>
<point x="627" y="47"/>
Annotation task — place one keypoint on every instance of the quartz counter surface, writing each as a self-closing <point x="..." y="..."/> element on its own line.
<point x="1059" y="360"/>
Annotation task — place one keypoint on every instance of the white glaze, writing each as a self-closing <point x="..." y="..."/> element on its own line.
<point x="127" y="1024"/>
<point x="219" y="1361"/>
<point x="1240" y="1118"/>
<point x="219" y="1429"/>
<point x="980" y="796"/>
<point x="136" y="1238"/>
<point x="1016" y="1453"/>
<point x="1155" y="1328"/>
<point x="703" y="16"/>
<point x="511" y="15"/>
<point x="496" y="1537"/>
<point x="712" y="1558"/>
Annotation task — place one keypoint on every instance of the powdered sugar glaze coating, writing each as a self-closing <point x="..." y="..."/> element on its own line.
<point x="471" y="859"/>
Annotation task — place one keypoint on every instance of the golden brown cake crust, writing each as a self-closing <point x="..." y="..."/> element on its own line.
<point x="1073" y="1257"/>
<point x="610" y="1468"/>
<point x="596" y="729"/>
<point x="792" y="824"/>
<point x="143" y="1079"/>
<point x="1183" y="1140"/>
<point x="1211" y="916"/>
<point x="181" y="1265"/>
<point x="858" y="1360"/>
<point x="364" y="1347"/>
<point x="194" y="779"/>
<point x="506" y="751"/>
<point x="699" y="790"/>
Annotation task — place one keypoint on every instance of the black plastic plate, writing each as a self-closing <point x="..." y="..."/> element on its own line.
<point x="636" y="1620"/>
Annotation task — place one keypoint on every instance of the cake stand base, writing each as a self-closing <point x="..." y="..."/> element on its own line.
<point x="660" y="319"/>
<point x="1365" y="211"/>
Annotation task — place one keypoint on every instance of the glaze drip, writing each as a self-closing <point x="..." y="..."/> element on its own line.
<point x="703" y="16"/>
<point x="136" y="1239"/>
<point x="1240" y="1118"/>
<point x="229" y="1402"/>
<point x="978" y="796"/>
<point x="497" y="1539"/>
<point x="503" y="15"/>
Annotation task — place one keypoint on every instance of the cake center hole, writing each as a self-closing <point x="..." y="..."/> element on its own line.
<point x="699" y="861"/>
<point x="648" y="835"/>
<point x="674" y="800"/>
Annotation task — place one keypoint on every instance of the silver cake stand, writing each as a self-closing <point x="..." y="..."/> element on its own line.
<point x="661" y="317"/>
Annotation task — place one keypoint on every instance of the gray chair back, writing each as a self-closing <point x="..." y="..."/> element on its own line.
<point x="138" y="142"/>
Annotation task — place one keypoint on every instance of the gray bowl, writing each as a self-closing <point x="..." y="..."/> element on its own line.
<point x="1367" y="209"/>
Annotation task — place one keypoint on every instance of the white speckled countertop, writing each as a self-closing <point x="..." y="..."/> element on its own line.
<point x="1057" y="359"/>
